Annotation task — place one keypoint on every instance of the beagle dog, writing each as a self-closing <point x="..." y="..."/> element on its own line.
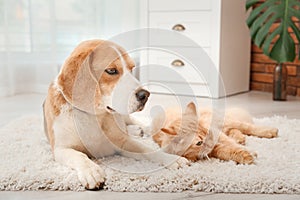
<point x="86" y="111"/>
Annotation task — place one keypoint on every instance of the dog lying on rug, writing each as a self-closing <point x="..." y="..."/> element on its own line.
<point x="193" y="137"/>
<point x="87" y="111"/>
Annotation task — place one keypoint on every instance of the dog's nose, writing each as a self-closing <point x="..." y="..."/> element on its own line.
<point x="142" y="95"/>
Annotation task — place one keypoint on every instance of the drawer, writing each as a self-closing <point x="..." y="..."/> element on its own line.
<point x="175" y="5"/>
<point x="193" y="25"/>
<point x="180" y="89"/>
<point x="165" y="66"/>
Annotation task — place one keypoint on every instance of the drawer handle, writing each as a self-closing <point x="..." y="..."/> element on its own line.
<point x="177" y="63"/>
<point x="178" y="27"/>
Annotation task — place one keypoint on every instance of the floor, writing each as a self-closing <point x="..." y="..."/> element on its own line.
<point x="259" y="105"/>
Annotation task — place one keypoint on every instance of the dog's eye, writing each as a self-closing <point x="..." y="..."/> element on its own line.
<point x="199" y="143"/>
<point x="112" y="71"/>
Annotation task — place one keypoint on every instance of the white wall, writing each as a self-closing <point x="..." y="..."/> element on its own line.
<point x="36" y="36"/>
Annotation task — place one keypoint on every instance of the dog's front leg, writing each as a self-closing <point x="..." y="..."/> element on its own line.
<point x="89" y="173"/>
<point x="135" y="149"/>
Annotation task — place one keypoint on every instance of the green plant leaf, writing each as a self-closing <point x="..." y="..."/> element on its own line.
<point x="261" y="20"/>
<point x="266" y="44"/>
<point x="264" y="31"/>
<point x="296" y="31"/>
<point x="255" y="13"/>
<point x="251" y="3"/>
<point x="284" y="48"/>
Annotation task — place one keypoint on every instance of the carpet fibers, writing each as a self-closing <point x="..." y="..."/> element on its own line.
<point x="27" y="164"/>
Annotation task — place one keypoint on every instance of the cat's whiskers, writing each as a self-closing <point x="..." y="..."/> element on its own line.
<point x="207" y="157"/>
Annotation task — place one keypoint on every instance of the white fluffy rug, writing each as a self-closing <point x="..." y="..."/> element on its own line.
<point x="27" y="164"/>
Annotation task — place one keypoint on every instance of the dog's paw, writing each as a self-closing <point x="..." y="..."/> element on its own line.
<point x="92" y="176"/>
<point x="135" y="130"/>
<point x="179" y="163"/>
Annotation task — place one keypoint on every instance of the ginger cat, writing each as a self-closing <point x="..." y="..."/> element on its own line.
<point x="193" y="137"/>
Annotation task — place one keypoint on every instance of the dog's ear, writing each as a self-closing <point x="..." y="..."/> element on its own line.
<point x="77" y="82"/>
<point x="103" y="56"/>
<point x="169" y="130"/>
<point x="191" y="109"/>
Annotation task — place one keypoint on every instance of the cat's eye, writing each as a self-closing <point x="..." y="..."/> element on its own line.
<point x="199" y="143"/>
<point x="112" y="71"/>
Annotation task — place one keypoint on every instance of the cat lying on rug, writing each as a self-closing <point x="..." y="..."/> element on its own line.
<point x="193" y="137"/>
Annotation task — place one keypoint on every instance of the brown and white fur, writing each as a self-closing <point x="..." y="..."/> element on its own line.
<point x="87" y="111"/>
<point x="189" y="135"/>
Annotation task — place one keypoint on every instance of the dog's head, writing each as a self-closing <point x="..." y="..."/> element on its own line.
<point x="186" y="137"/>
<point x="97" y="77"/>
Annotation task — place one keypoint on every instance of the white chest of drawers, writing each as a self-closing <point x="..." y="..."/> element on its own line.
<point x="218" y="26"/>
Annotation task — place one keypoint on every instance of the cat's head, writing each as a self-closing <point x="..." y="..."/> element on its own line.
<point x="188" y="138"/>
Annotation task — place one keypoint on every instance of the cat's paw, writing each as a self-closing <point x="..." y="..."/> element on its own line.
<point x="268" y="132"/>
<point x="273" y="133"/>
<point x="237" y="136"/>
<point x="241" y="139"/>
<point x="179" y="163"/>
<point x="246" y="157"/>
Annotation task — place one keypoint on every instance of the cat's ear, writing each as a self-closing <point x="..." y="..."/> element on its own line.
<point x="169" y="130"/>
<point x="191" y="109"/>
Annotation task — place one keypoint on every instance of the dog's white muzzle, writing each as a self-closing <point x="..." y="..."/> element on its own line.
<point x="128" y="96"/>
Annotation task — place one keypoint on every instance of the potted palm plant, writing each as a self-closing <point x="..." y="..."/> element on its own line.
<point x="277" y="44"/>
